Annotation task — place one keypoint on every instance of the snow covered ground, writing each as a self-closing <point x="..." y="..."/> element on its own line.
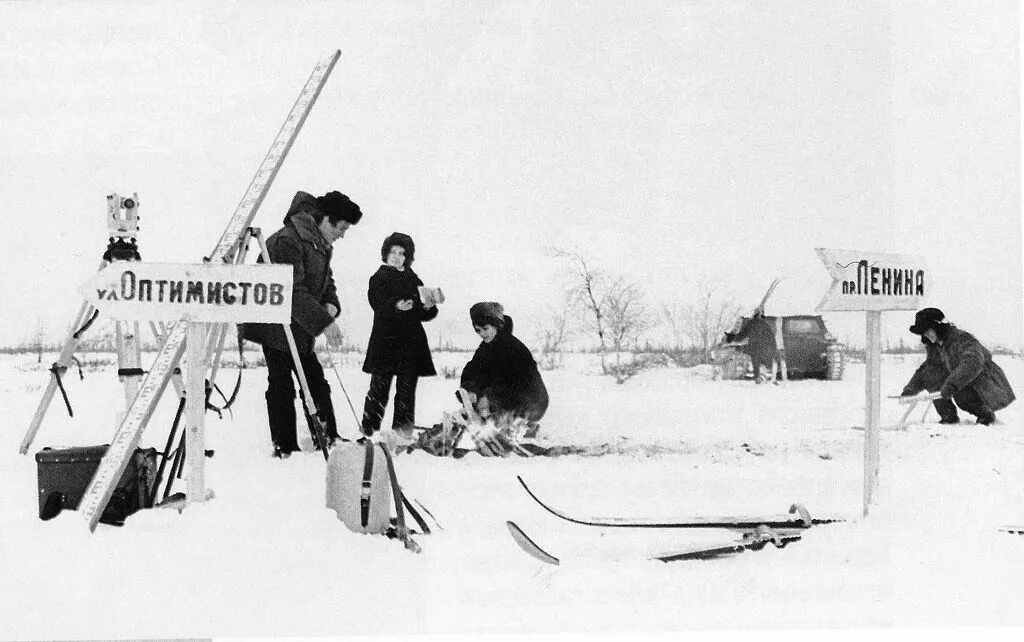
<point x="265" y="558"/>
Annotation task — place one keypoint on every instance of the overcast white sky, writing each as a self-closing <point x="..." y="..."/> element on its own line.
<point x="675" y="143"/>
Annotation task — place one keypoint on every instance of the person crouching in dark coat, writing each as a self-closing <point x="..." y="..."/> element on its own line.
<point x="397" y="346"/>
<point x="502" y="378"/>
<point x="311" y="225"/>
<point x="971" y="379"/>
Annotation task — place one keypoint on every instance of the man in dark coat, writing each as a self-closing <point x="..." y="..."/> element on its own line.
<point x="761" y="347"/>
<point x="502" y="377"/>
<point x="398" y="345"/>
<point x="960" y="368"/>
<point x="311" y="225"/>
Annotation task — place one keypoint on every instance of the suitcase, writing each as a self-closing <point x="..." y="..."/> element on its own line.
<point x="64" y="474"/>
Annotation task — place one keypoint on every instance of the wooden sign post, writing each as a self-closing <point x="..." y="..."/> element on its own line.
<point x="200" y="294"/>
<point x="873" y="282"/>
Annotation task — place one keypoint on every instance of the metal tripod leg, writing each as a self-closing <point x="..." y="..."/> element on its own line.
<point x="63" y="361"/>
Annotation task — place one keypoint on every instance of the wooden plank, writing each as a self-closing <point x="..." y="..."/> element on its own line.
<point x="914" y="399"/>
<point x="202" y="292"/>
<point x="230" y="240"/>
<point x="874" y="281"/>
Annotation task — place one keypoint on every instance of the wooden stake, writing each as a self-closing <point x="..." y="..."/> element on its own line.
<point x="872" y="406"/>
<point x="195" y="410"/>
<point x="780" y="344"/>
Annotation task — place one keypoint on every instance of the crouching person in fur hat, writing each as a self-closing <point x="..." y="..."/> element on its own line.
<point x="398" y="347"/>
<point x="502" y="377"/>
<point x="311" y="225"/>
<point x="960" y="369"/>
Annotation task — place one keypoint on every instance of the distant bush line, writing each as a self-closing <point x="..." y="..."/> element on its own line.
<point x="680" y="357"/>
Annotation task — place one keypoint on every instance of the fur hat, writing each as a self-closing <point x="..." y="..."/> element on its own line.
<point x="928" y="318"/>
<point x="336" y="206"/>
<point x="487" y="313"/>
<point x="401" y="240"/>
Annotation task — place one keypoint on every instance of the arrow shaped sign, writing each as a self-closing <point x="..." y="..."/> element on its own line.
<point x="874" y="281"/>
<point x="201" y="292"/>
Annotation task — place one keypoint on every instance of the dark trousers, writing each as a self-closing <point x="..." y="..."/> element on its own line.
<point x="281" y="396"/>
<point x="967" y="398"/>
<point x="377" y="401"/>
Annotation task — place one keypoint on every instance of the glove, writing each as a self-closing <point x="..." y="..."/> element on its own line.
<point x="946" y="391"/>
<point x="334" y="336"/>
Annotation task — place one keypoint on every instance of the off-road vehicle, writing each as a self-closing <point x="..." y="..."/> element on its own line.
<point x="810" y="350"/>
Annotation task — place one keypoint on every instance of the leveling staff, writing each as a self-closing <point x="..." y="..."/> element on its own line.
<point x="311" y="225"/>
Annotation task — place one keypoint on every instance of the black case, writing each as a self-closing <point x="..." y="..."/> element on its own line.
<point x="65" y="473"/>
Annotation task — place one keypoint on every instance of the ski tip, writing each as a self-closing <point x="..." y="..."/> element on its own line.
<point x="529" y="546"/>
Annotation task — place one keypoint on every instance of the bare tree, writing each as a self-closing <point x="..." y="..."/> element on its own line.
<point x="446" y="333"/>
<point x="612" y="307"/>
<point x="585" y="293"/>
<point x="702" y="322"/>
<point x="39" y="338"/>
<point x="626" y="316"/>
<point x="553" y="332"/>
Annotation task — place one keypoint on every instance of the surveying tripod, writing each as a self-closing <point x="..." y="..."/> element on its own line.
<point x="123" y="227"/>
<point x="203" y="340"/>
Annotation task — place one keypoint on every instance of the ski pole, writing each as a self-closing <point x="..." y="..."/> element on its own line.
<point x="337" y="375"/>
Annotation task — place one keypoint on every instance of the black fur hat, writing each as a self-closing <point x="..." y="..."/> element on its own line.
<point x="402" y="240"/>
<point x="928" y="318"/>
<point x="487" y="313"/>
<point x="336" y="206"/>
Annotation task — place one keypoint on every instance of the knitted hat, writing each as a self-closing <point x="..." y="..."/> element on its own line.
<point x="487" y="313"/>
<point x="928" y="318"/>
<point x="336" y="206"/>
<point x="401" y="240"/>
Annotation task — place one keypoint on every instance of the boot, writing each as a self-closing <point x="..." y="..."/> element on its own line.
<point x="947" y="411"/>
<point x="281" y="417"/>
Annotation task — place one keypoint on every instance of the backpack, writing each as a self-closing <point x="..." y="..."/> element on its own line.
<point x="361" y="486"/>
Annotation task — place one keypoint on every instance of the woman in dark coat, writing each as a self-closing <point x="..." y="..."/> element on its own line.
<point x="398" y="345"/>
<point x="975" y="382"/>
<point x="502" y="377"/>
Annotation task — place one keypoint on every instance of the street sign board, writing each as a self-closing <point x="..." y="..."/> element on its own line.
<point x="200" y="292"/>
<point x="874" y="281"/>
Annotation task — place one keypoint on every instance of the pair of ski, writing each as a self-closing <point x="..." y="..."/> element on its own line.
<point x="758" y="531"/>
